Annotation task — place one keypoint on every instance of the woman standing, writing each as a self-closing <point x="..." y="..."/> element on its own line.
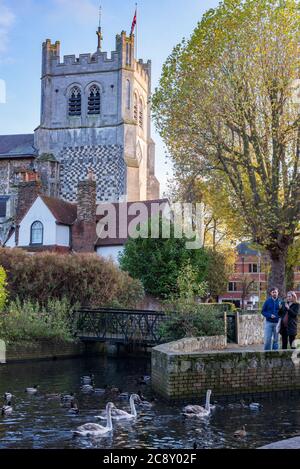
<point x="289" y="317"/>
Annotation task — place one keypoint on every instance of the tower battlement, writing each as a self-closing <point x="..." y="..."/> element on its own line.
<point x="122" y="57"/>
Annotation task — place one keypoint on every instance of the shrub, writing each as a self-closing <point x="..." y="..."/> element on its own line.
<point x="30" y="321"/>
<point x="3" y="289"/>
<point x="194" y="323"/>
<point x="158" y="262"/>
<point x="86" y="279"/>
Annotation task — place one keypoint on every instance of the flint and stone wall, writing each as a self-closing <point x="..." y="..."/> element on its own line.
<point x="250" y="329"/>
<point x="181" y="375"/>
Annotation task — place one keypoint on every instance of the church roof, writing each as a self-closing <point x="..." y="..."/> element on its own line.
<point x="16" y="146"/>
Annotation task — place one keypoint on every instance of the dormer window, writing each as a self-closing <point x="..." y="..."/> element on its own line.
<point x="36" y="233"/>
<point x="75" y="102"/>
<point x="94" y="100"/>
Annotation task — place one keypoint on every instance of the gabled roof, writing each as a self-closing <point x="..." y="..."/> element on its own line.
<point x="16" y="146"/>
<point x="64" y="213"/>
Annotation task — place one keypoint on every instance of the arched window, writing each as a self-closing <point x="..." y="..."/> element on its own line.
<point x="36" y="233"/>
<point x="75" y="102"/>
<point x="141" y="114"/>
<point x="128" y="91"/>
<point x="135" y="108"/>
<point x="94" y="100"/>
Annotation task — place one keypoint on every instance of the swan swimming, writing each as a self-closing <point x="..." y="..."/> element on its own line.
<point x="93" y="429"/>
<point x="118" y="414"/>
<point x="87" y="388"/>
<point x="33" y="390"/>
<point x="198" y="410"/>
<point x="87" y="379"/>
<point x="7" y="409"/>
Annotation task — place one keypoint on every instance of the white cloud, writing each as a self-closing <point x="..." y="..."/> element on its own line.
<point x="6" y="21"/>
<point x="83" y="11"/>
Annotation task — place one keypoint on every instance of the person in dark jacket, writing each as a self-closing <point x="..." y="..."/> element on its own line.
<point x="270" y="311"/>
<point x="289" y="317"/>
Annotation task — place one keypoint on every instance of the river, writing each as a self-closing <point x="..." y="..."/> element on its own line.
<point x="41" y="422"/>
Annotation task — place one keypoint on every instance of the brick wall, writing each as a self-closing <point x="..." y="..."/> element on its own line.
<point x="179" y="375"/>
<point x="49" y="350"/>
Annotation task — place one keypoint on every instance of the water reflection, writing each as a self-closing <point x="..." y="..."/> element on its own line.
<point x="41" y="422"/>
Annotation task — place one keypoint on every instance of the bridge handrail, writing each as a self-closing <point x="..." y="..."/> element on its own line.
<point x="120" y="311"/>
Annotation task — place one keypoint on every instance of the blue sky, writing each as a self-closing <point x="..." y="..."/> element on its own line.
<point x="25" y="24"/>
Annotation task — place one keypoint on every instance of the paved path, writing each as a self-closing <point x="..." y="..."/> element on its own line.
<point x="290" y="443"/>
<point x="244" y="348"/>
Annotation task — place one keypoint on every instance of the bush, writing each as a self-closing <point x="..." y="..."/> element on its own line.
<point x="158" y="263"/>
<point x="30" y="321"/>
<point x="3" y="290"/>
<point x="194" y="323"/>
<point x="86" y="279"/>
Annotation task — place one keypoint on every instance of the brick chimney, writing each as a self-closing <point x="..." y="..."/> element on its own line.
<point x="27" y="193"/>
<point x="84" y="229"/>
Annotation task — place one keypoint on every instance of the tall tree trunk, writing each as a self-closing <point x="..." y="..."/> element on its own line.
<point x="277" y="274"/>
<point x="290" y="278"/>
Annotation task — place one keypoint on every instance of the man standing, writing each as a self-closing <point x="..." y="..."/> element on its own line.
<point x="270" y="312"/>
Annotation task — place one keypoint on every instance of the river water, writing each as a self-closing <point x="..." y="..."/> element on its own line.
<point x="41" y="422"/>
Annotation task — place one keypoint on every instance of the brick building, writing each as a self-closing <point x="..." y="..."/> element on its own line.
<point x="247" y="286"/>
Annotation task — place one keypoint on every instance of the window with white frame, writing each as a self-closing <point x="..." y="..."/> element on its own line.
<point x="36" y="233"/>
<point x="253" y="268"/>
<point x="232" y="286"/>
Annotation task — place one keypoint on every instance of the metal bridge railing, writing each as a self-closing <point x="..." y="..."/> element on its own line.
<point x="119" y="325"/>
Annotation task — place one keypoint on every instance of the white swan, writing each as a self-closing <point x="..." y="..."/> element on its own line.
<point x="33" y="390"/>
<point x="7" y="409"/>
<point x="8" y="396"/>
<point x="118" y="414"/>
<point x="255" y="406"/>
<point x="198" y="410"/>
<point x="93" y="429"/>
<point x="87" y="379"/>
<point x="87" y="388"/>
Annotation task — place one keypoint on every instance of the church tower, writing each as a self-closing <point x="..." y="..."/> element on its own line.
<point x="95" y="116"/>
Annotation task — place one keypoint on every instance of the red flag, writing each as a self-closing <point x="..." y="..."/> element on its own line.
<point x="133" y="23"/>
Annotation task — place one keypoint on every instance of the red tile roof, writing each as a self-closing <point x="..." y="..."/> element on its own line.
<point x="65" y="213"/>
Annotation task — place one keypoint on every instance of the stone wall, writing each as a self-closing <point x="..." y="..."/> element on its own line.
<point x="196" y="344"/>
<point x="250" y="329"/>
<point x="181" y="376"/>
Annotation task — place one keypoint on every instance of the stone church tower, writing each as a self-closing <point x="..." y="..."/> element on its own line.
<point x="95" y="116"/>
